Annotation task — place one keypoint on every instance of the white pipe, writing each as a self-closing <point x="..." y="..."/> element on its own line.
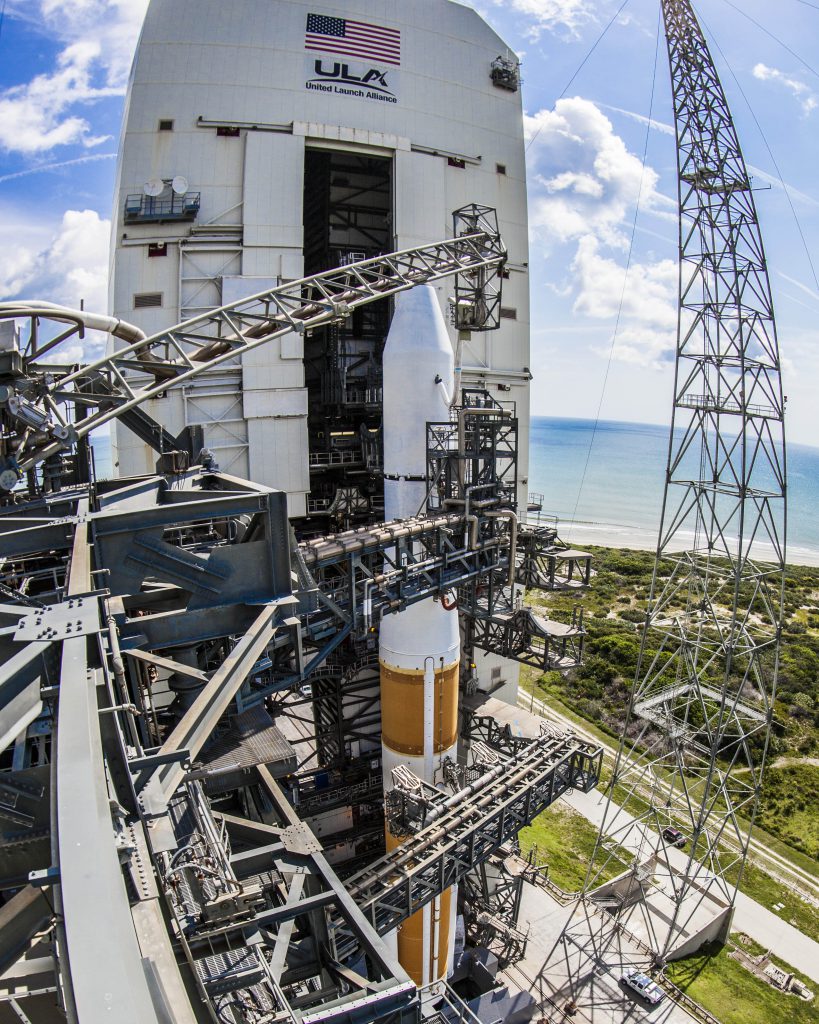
<point x="437" y="810"/>
<point x="471" y="519"/>
<point x="443" y="389"/>
<point x="435" y="915"/>
<point x="93" y="321"/>
<point x="513" y="538"/>
<point x="463" y="336"/>
<point x="429" y="712"/>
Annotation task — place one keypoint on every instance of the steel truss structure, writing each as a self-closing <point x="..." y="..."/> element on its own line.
<point x="344" y="681"/>
<point x="257" y="909"/>
<point x="144" y="368"/>
<point x="492" y="895"/>
<point x="452" y="836"/>
<point x="472" y="466"/>
<point x="695" y="743"/>
<point x="497" y="620"/>
<point x="547" y="563"/>
<point x="156" y="633"/>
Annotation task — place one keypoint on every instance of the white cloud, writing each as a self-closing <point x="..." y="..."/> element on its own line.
<point x="658" y="126"/>
<point x="35" y="116"/>
<point x="71" y="268"/>
<point x="582" y="178"/>
<point x="802" y="287"/>
<point x="553" y="14"/>
<point x="114" y="24"/>
<point x="16" y="266"/>
<point x="98" y="39"/>
<point x="58" y="166"/>
<point x="805" y="96"/>
<point x="648" y="320"/>
<point x="583" y="187"/>
<point x="777" y="183"/>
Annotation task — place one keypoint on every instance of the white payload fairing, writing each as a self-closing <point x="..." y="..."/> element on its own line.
<point x="419" y="648"/>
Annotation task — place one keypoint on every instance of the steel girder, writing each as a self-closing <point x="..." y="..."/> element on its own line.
<point x="174" y="592"/>
<point x="465" y="834"/>
<point x="112" y="386"/>
<point x="251" y="900"/>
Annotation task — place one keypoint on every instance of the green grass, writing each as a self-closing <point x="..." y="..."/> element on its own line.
<point x="565" y="841"/>
<point x="796" y="857"/>
<point x="529" y="682"/>
<point x="748" y="945"/>
<point x="596" y="695"/>
<point x="733" y="994"/>
<point x="790" y="797"/>
<point x="767" y="891"/>
<point x="756" y="883"/>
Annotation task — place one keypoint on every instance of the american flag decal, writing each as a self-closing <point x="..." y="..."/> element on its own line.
<point x="353" y="39"/>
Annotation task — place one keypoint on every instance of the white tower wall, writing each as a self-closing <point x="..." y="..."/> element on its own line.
<point x="232" y="81"/>
<point x="452" y="136"/>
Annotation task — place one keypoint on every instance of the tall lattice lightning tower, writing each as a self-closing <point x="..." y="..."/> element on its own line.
<point x="695" y="743"/>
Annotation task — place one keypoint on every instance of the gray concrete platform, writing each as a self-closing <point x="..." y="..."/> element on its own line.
<point x="574" y="960"/>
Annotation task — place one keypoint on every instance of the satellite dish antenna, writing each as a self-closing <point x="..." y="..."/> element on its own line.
<point x="153" y="187"/>
<point x="180" y="184"/>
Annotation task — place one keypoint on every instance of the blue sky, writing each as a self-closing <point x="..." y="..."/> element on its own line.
<point x="63" y="70"/>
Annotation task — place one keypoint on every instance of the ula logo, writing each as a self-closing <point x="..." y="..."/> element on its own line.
<point x="340" y="74"/>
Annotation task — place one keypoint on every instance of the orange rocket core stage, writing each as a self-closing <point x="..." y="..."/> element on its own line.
<point x="402" y="709"/>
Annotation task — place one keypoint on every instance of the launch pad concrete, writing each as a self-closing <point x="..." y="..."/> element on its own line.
<point x="574" y="961"/>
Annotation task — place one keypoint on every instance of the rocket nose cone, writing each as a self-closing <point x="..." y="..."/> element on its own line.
<point x="418" y="324"/>
<point x="418" y="371"/>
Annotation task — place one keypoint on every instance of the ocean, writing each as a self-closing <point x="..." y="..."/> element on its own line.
<point x="619" y="500"/>
<point x="617" y="503"/>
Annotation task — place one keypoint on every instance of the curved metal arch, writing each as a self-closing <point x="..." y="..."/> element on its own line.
<point x="145" y="368"/>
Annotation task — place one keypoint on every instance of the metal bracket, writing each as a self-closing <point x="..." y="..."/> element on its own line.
<point x="44" y="877"/>
<point x="300" y="839"/>
<point x="78" y="616"/>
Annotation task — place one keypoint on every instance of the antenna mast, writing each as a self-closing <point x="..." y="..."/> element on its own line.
<point x="694" y="746"/>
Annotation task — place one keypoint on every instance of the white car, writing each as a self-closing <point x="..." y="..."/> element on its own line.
<point x="643" y="986"/>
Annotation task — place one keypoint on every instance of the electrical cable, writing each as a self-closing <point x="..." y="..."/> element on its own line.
<point x="625" y="282"/>
<point x="770" y="153"/>
<point x="582" y="64"/>
<point x="776" y="39"/>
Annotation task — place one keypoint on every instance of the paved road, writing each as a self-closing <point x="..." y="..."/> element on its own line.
<point x="783" y="870"/>
<point x="750" y="917"/>
<point x="760" y="923"/>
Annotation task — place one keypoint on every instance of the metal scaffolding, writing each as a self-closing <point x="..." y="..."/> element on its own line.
<point x="157" y="634"/>
<point x="694" y="746"/>
<point x="144" y="368"/>
<point x="452" y="836"/>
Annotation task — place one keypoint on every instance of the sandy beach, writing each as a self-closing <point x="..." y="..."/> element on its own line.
<point x="615" y="535"/>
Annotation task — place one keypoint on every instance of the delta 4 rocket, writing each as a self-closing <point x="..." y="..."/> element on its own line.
<point x="419" y="648"/>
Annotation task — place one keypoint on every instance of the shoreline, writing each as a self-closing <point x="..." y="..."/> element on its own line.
<point x="616" y="535"/>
